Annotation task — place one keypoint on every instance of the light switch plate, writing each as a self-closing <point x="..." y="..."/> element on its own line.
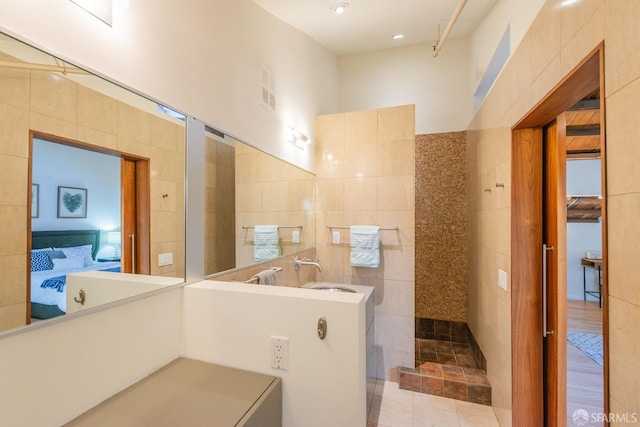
<point x="502" y="279"/>
<point x="295" y="236"/>
<point x="335" y="237"/>
<point x="165" y="259"/>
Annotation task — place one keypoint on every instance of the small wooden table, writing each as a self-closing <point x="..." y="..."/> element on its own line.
<point x="595" y="264"/>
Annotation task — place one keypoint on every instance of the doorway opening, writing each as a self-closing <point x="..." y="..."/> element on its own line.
<point x="539" y="239"/>
<point x="89" y="211"/>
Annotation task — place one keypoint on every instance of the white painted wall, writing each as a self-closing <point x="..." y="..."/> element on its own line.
<point x="201" y="57"/>
<point x="519" y="14"/>
<point x="52" y="374"/>
<point x="439" y="87"/>
<point x="57" y="164"/>
<point x="231" y="324"/>
<point x="104" y="287"/>
<point x="583" y="178"/>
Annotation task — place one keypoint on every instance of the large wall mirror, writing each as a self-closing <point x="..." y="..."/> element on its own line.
<point x="93" y="178"/>
<point x="257" y="207"/>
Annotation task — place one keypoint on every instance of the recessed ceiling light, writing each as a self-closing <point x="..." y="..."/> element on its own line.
<point x="397" y="36"/>
<point x="340" y="8"/>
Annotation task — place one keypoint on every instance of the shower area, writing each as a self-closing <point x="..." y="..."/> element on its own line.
<point x="448" y="360"/>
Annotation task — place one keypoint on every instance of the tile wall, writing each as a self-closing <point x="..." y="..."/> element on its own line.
<point x="365" y="176"/>
<point x="51" y="104"/>
<point x="441" y="227"/>
<point x="560" y="37"/>
<point x="271" y="191"/>
<point x="219" y="239"/>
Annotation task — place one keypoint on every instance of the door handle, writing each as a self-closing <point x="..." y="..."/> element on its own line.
<point x="133" y="253"/>
<point x="545" y="249"/>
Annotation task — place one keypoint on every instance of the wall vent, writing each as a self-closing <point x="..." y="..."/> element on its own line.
<point x="268" y="88"/>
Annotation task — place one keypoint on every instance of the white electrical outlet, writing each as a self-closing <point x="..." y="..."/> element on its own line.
<point x="295" y="236"/>
<point x="335" y="238"/>
<point x="280" y="353"/>
<point x="502" y="279"/>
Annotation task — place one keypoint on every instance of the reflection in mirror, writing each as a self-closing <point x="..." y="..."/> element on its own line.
<point x="268" y="192"/>
<point x="105" y="171"/>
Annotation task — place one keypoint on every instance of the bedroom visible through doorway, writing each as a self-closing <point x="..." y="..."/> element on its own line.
<point x="87" y="206"/>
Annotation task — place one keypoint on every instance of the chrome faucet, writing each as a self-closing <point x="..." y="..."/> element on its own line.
<point x="297" y="262"/>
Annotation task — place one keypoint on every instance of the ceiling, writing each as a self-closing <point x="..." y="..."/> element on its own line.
<point x="367" y="25"/>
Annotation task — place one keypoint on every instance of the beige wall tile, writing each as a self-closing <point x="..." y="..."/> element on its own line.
<point x="13" y="316"/>
<point x="14" y="177"/>
<point x="624" y="353"/>
<point x="361" y="194"/>
<point x="133" y="124"/>
<point x="586" y="39"/>
<point x="14" y="86"/>
<point x="11" y="136"/>
<point x="330" y="130"/>
<point x="396" y="157"/>
<point x="361" y="128"/>
<point x="52" y="125"/>
<point x="162" y="133"/>
<point x="14" y="271"/>
<point x="13" y="230"/>
<point x="102" y="139"/>
<point x="622" y="33"/>
<point x="621" y="116"/>
<point x="624" y="269"/>
<point x="97" y="111"/>
<point x="361" y="160"/>
<point x="330" y="161"/>
<point x="396" y="193"/>
<point x="396" y="123"/>
<point x="54" y="96"/>
<point x="575" y="18"/>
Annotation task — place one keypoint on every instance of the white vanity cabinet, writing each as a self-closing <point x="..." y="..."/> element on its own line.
<point x="192" y="393"/>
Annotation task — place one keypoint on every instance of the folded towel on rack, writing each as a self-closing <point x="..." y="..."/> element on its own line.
<point x="265" y="277"/>
<point x="266" y="242"/>
<point x="365" y="246"/>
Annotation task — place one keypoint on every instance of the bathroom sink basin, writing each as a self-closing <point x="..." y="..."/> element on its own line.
<point x="334" y="288"/>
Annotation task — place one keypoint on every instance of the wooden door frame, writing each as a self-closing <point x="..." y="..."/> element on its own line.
<point x="528" y="399"/>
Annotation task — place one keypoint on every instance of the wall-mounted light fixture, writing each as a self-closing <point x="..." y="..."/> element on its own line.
<point x="101" y="9"/>
<point x="298" y="139"/>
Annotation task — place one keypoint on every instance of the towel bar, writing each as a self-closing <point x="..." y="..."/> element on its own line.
<point x="247" y="227"/>
<point x="254" y="279"/>
<point x="347" y="228"/>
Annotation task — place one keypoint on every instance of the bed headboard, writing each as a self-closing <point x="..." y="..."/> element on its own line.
<point x="66" y="239"/>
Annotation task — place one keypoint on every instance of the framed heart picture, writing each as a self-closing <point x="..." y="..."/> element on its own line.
<point x="72" y="202"/>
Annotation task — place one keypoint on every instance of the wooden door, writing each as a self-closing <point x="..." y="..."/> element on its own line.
<point x="554" y="291"/>
<point x="135" y="216"/>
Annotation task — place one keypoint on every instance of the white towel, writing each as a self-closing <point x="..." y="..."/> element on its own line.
<point x="266" y="277"/>
<point x="266" y="242"/>
<point x="365" y="246"/>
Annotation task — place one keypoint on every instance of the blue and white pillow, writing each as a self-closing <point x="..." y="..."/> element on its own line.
<point x="40" y="260"/>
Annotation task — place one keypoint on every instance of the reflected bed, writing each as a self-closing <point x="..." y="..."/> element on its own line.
<point x="54" y="254"/>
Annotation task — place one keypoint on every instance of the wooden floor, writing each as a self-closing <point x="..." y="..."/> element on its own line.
<point x="585" y="382"/>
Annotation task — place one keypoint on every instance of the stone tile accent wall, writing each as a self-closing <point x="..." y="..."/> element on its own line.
<point x="441" y="269"/>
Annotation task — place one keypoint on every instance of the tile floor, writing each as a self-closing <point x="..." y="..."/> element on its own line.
<point x="392" y="407"/>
